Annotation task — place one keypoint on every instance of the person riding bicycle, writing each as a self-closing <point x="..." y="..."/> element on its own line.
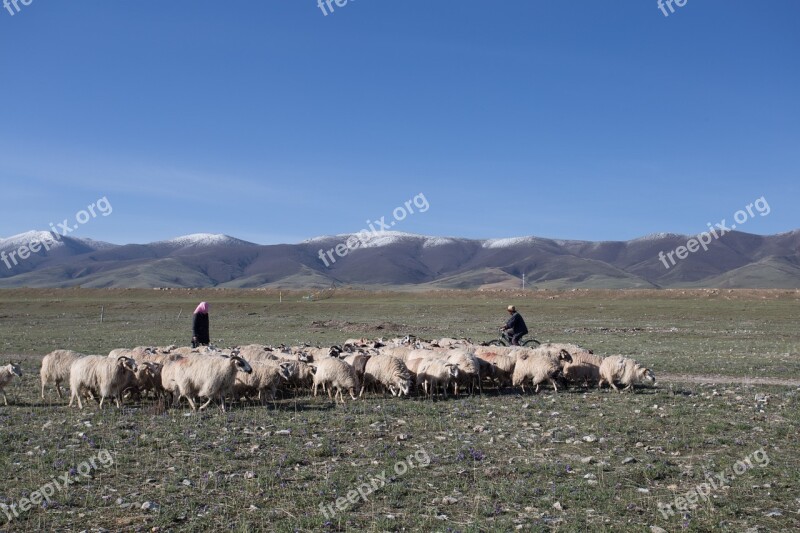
<point x="515" y="327"/>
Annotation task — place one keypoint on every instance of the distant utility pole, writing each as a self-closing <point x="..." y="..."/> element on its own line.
<point x="523" y="281"/>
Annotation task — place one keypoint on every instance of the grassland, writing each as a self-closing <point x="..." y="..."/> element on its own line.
<point x="576" y="461"/>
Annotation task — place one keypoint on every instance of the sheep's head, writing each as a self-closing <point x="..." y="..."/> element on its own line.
<point x="564" y="355"/>
<point x="404" y="385"/>
<point x="241" y="364"/>
<point x="14" y="370"/>
<point x="645" y="375"/>
<point x="304" y="357"/>
<point x="286" y="371"/>
<point x="152" y="370"/>
<point x="453" y="367"/>
<point x="127" y="363"/>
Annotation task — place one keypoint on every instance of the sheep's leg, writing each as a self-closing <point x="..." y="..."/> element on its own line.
<point x="191" y="402"/>
<point x="210" y="399"/>
<point x="611" y="383"/>
<point x="5" y="399"/>
<point x="102" y="398"/>
<point x="352" y="395"/>
<point x="537" y="389"/>
<point x="329" y="393"/>
<point x="222" y="401"/>
<point x="629" y="387"/>
<point x="43" y="390"/>
<point x="553" y="382"/>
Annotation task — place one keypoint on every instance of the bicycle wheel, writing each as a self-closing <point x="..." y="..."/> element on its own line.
<point x="531" y="342"/>
<point x="497" y="342"/>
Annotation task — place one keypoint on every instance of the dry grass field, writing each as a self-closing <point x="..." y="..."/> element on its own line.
<point x="578" y="460"/>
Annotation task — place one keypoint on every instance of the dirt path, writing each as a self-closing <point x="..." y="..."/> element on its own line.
<point x="727" y="380"/>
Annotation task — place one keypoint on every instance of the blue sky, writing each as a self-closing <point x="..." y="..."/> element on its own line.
<point x="271" y="122"/>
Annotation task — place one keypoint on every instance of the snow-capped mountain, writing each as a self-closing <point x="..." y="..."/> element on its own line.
<point x="396" y="259"/>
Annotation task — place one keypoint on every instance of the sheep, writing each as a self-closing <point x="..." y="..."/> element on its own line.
<point x="301" y="375"/>
<point x="332" y="373"/>
<point x="7" y="373"/>
<point x="107" y="377"/>
<point x="500" y="367"/>
<point x="205" y="376"/>
<point x="169" y="375"/>
<point x="505" y="350"/>
<point x="584" y="368"/>
<point x="401" y="352"/>
<point x="147" y="378"/>
<point x="469" y="370"/>
<point x="539" y="365"/>
<point x="359" y="362"/>
<point x="388" y="371"/>
<point x="435" y="373"/>
<point x="625" y="371"/>
<point x="55" y="368"/>
<point x="265" y="376"/>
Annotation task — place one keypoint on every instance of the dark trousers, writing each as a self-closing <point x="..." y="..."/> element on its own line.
<point x="515" y="337"/>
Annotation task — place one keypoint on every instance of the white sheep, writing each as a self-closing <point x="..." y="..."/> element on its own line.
<point x="500" y="367"/>
<point x="625" y="371"/>
<point x="433" y="373"/>
<point x="55" y="368"/>
<point x="469" y="370"/>
<point x="7" y="373"/>
<point x="333" y="373"/>
<point x="584" y="368"/>
<point x="538" y="365"/>
<point x="101" y="375"/>
<point x="203" y="376"/>
<point x="389" y="372"/>
<point x="265" y="377"/>
<point x="301" y="375"/>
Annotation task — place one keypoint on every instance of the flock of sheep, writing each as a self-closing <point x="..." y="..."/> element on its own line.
<point x="401" y="366"/>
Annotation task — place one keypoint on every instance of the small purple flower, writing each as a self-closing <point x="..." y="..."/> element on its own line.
<point x="477" y="455"/>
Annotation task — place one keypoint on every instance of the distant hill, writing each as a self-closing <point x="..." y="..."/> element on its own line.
<point x="397" y="260"/>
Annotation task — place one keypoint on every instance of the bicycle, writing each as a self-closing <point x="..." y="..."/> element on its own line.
<point x="505" y="340"/>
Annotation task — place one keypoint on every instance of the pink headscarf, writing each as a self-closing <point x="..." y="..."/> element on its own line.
<point x="202" y="308"/>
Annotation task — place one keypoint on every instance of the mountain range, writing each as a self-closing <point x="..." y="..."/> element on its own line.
<point x="401" y="260"/>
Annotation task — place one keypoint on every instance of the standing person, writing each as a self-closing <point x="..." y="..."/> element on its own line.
<point x="200" y="334"/>
<point x="515" y="326"/>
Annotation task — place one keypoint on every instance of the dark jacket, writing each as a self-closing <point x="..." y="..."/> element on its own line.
<point x="516" y="323"/>
<point x="200" y="328"/>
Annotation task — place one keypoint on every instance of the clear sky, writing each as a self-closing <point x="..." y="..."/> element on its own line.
<point x="272" y="122"/>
